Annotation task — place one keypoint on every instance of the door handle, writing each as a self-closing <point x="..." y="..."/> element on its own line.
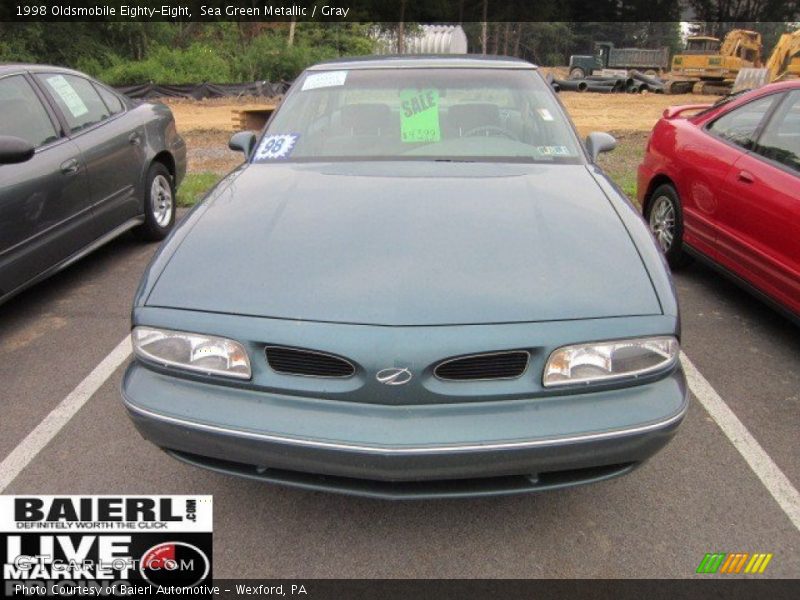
<point x="746" y="177"/>
<point x="135" y="138"/>
<point x="70" y="167"/>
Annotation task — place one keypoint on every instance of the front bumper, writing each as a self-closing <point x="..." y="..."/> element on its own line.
<point x="409" y="451"/>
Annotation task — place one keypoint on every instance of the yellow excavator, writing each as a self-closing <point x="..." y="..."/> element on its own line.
<point x="710" y="66"/>
<point x="783" y="63"/>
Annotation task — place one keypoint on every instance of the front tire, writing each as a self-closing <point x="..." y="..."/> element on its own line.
<point x="577" y="73"/>
<point x="664" y="216"/>
<point x="159" y="204"/>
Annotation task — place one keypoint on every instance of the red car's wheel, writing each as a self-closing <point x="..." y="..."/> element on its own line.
<point x="665" y="217"/>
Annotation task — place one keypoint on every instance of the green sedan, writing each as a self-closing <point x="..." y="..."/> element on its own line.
<point x="418" y="284"/>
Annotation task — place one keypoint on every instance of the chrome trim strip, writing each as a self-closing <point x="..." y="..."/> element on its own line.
<point x="305" y="351"/>
<point x="466" y="356"/>
<point x="445" y="63"/>
<point x="268" y="437"/>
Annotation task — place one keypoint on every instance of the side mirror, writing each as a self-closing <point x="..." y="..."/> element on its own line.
<point x="14" y="150"/>
<point x="597" y="142"/>
<point x="243" y="141"/>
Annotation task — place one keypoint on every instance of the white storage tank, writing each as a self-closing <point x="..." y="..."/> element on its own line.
<point x="433" y="39"/>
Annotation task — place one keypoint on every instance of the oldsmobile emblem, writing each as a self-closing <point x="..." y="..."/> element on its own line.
<point x="394" y="376"/>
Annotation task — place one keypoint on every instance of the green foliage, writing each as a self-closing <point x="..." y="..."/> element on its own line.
<point x="195" y="64"/>
<point x="123" y="53"/>
<point x="552" y="43"/>
<point x="194" y="186"/>
<point x="621" y="164"/>
<point x="267" y="57"/>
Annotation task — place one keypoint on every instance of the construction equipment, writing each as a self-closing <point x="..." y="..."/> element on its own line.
<point x="783" y="63"/>
<point x="709" y="66"/>
<point x="608" y="60"/>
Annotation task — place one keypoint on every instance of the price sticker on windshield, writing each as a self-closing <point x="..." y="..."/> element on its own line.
<point x="274" y="147"/>
<point x="68" y="95"/>
<point x="419" y="116"/>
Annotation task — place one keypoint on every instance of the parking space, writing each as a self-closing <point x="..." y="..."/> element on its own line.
<point x="698" y="496"/>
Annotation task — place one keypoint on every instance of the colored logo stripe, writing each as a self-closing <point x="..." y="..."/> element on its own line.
<point x="734" y="562"/>
<point x="758" y="563"/>
<point x="711" y="562"/>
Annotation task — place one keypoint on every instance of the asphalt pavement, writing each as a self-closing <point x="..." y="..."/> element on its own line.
<point x="699" y="495"/>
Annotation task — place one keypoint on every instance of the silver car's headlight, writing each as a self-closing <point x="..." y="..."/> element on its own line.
<point x="603" y="361"/>
<point x="192" y="351"/>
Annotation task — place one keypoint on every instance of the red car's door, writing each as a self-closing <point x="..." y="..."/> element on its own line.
<point x="708" y="155"/>
<point x="759" y="216"/>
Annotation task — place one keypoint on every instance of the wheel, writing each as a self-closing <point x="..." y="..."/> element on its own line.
<point x="665" y="216"/>
<point x="159" y="204"/>
<point x="577" y="73"/>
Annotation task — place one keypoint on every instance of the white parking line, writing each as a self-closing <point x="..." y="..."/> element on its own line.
<point x="778" y="485"/>
<point x="45" y="431"/>
<point x="770" y="474"/>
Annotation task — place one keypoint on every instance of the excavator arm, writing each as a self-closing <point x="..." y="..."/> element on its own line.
<point x="740" y="38"/>
<point x="780" y="61"/>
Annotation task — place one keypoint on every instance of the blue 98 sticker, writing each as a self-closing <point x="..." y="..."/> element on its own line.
<point x="274" y="147"/>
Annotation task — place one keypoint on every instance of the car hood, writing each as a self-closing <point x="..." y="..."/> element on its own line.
<point x="411" y="243"/>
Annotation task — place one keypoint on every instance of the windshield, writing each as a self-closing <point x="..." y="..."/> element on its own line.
<point x="493" y="115"/>
<point x="702" y="47"/>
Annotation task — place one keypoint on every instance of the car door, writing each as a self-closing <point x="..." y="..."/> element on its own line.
<point x="111" y="140"/>
<point x="45" y="209"/>
<point x="708" y="155"/>
<point x="759" y="220"/>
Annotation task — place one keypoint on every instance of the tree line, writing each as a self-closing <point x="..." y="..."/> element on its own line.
<point x="192" y="52"/>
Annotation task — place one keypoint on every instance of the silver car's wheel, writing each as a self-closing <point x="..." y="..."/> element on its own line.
<point x="161" y="203"/>
<point x="158" y="203"/>
<point x="662" y="222"/>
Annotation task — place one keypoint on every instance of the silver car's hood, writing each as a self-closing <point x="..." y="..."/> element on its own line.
<point x="413" y="243"/>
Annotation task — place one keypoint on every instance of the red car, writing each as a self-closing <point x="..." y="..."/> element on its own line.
<point x="724" y="185"/>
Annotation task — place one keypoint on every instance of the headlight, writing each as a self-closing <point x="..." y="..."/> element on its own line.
<point x="192" y="351"/>
<point x="603" y="361"/>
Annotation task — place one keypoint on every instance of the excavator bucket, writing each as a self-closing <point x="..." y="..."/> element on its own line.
<point x="750" y="79"/>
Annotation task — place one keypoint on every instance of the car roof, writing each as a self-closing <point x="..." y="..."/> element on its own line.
<point x="791" y="84"/>
<point x="764" y="90"/>
<point x="424" y="61"/>
<point x="729" y="103"/>
<point x="7" y="68"/>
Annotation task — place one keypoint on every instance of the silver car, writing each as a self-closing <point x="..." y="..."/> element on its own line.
<point x="79" y="165"/>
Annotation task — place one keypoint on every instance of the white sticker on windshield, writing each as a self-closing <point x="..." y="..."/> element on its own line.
<point x="553" y="150"/>
<point x="273" y="147"/>
<point x="68" y="94"/>
<point x="545" y="114"/>
<point x="325" y="79"/>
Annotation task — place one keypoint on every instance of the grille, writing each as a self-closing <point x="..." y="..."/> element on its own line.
<point x="495" y="365"/>
<point x="295" y="361"/>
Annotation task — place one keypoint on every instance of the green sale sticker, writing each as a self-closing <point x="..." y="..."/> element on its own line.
<point x="419" y="115"/>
